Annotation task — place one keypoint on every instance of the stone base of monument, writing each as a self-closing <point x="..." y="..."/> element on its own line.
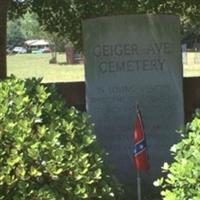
<point x="129" y="185"/>
<point x="148" y="192"/>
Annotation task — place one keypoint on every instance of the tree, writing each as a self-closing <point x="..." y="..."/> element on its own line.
<point x="3" y="19"/>
<point x="15" y="36"/>
<point x="30" y="26"/>
<point x="8" y="6"/>
<point x="24" y="28"/>
<point x="65" y="16"/>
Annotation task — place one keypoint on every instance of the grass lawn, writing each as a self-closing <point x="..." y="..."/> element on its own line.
<point x="192" y="70"/>
<point x="37" y="65"/>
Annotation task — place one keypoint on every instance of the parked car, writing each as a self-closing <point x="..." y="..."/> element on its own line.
<point x="45" y="50"/>
<point x="19" y="50"/>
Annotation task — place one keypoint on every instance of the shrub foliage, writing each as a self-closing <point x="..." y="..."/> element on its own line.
<point x="182" y="180"/>
<point x="47" y="152"/>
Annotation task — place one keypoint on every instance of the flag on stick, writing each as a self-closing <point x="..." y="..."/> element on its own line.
<point x="140" y="147"/>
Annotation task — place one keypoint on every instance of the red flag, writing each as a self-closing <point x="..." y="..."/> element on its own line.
<point x="140" y="147"/>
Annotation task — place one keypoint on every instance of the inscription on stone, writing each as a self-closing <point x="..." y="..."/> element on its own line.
<point x="133" y="59"/>
<point x="134" y="64"/>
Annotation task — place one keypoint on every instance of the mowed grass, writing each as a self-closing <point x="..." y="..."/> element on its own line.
<point x="192" y="64"/>
<point x="37" y="65"/>
<point x="192" y="70"/>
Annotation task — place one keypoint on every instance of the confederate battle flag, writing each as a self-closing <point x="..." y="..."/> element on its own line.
<point x="140" y="148"/>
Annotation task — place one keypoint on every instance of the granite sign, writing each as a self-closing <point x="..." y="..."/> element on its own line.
<point x="131" y="59"/>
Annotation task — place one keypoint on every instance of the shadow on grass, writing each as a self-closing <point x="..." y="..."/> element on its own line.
<point x="62" y="63"/>
<point x="65" y="63"/>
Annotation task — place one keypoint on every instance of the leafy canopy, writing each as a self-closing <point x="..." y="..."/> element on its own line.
<point x="64" y="17"/>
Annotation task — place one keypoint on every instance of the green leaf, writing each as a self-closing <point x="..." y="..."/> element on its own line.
<point x="158" y="182"/>
<point x="34" y="172"/>
<point x="13" y="160"/>
<point x="58" y="171"/>
<point x="97" y="174"/>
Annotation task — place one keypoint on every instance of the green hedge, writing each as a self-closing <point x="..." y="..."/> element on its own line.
<point x="47" y="152"/>
<point x="181" y="179"/>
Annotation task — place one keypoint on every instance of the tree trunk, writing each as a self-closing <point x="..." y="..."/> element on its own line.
<point x="3" y="30"/>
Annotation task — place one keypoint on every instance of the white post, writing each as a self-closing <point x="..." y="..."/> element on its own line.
<point x="138" y="186"/>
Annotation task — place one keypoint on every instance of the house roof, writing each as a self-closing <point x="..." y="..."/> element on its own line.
<point x="36" y="42"/>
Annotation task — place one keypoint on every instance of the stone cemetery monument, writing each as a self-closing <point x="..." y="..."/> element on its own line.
<point x="129" y="59"/>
